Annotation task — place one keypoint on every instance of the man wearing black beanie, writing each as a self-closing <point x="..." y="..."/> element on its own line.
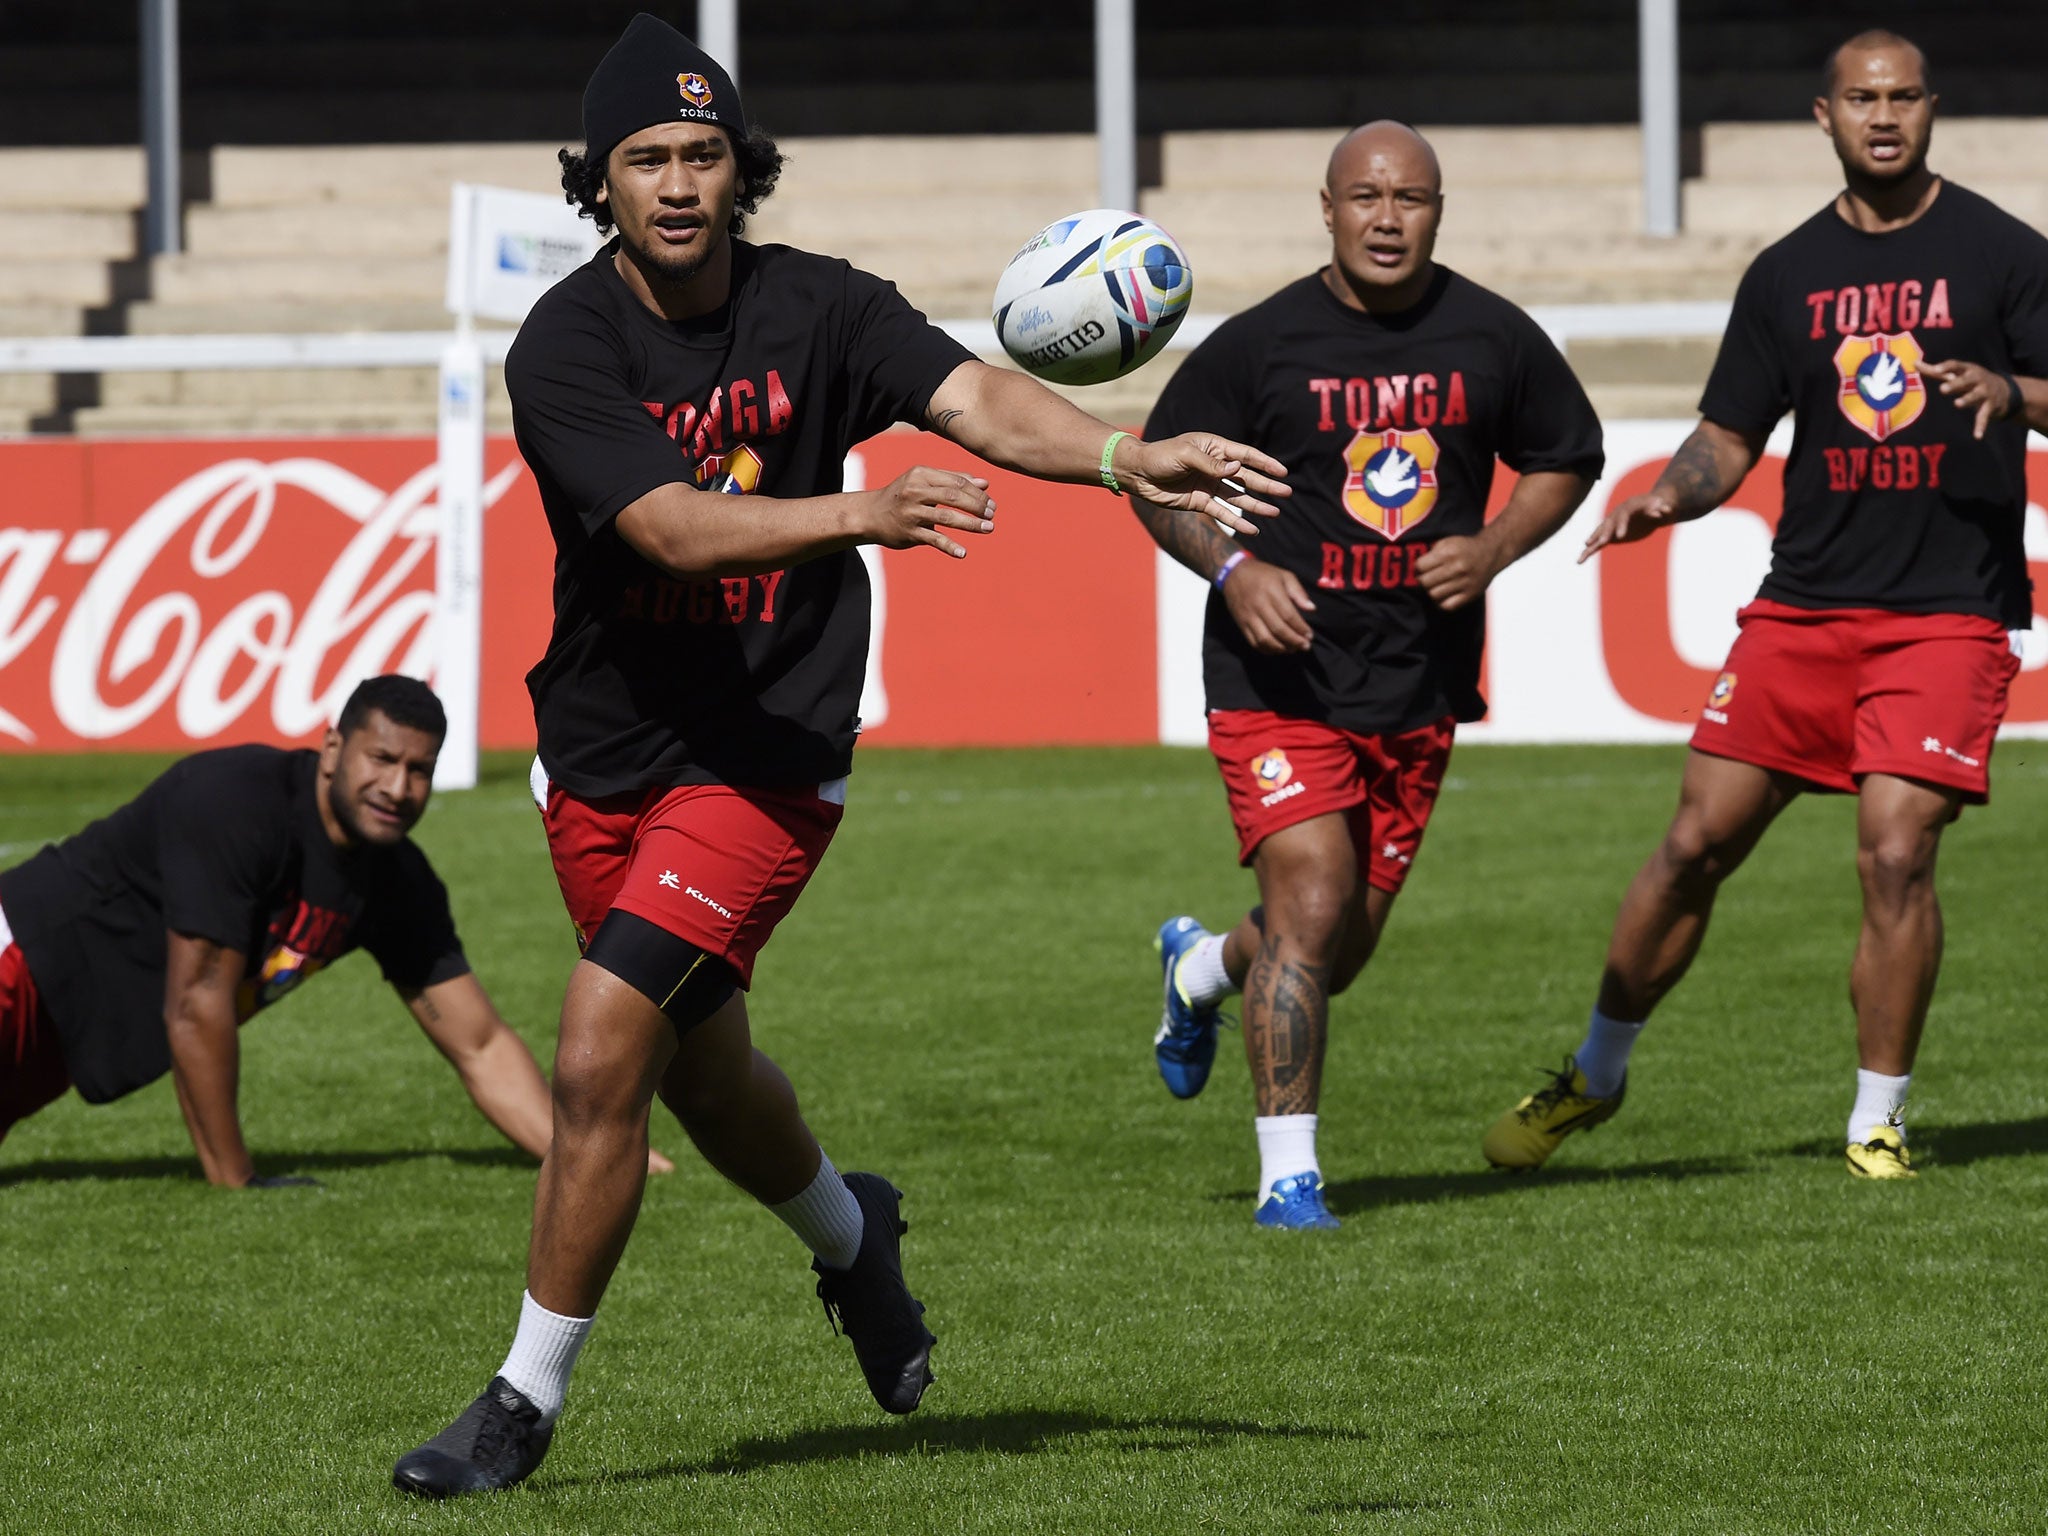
<point x="686" y="403"/>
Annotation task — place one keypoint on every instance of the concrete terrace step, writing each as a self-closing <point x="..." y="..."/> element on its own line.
<point x="107" y="179"/>
<point x="88" y="234"/>
<point x="266" y="316"/>
<point x="40" y="320"/>
<point x="258" y="387"/>
<point x="312" y="280"/>
<point x="67" y="282"/>
<point x="291" y="418"/>
<point x="314" y="229"/>
<point x="374" y="173"/>
<point x="1469" y="156"/>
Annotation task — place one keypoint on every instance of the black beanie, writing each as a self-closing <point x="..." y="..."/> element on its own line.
<point x="654" y="74"/>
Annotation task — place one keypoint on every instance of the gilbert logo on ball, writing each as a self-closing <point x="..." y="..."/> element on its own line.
<point x="1092" y="296"/>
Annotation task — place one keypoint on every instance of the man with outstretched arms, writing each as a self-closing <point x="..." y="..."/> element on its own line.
<point x="1905" y="326"/>
<point x="686" y="402"/>
<point x="140" y="945"/>
<point x="1342" y="650"/>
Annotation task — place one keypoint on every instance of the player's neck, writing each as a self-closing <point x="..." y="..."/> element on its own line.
<point x="1877" y="207"/>
<point x="323" y="800"/>
<point x="699" y="294"/>
<point x="1376" y="300"/>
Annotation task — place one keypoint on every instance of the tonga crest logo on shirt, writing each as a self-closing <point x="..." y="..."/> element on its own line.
<point x="1881" y="390"/>
<point x="1390" y="480"/>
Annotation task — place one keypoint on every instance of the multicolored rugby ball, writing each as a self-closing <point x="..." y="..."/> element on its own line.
<point x="1092" y="296"/>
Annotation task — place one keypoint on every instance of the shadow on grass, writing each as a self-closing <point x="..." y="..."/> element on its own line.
<point x="57" y="1170"/>
<point x="1019" y="1433"/>
<point x="1347" y="1195"/>
<point x="1957" y="1146"/>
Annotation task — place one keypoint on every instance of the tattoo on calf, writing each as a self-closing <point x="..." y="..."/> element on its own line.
<point x="1286" y="1024"/>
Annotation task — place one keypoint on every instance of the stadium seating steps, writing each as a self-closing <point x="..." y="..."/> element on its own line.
<point x="336" y="238"/>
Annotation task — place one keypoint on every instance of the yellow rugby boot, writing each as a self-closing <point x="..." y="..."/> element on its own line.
<point x="1526" y="1135"/>
<point x="1882" y="1156"/>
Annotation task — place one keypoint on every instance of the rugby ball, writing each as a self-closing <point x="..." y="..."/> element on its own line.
<point x="1092" y="296"/>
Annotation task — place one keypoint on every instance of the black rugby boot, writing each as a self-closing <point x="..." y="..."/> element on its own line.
<point x="871" y="1305"/>
<point x="497" y="1441"/>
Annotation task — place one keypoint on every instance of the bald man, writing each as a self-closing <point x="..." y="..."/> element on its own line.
<point x="1339" y="659"/>
<point x="1905" y="326"/>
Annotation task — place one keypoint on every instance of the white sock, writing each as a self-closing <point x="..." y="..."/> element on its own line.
<point x="1287" y="1146"/>
<point x="826" y="1217"/>
<point x="1880" y="1100"/>
<point x="1603" y="1055"/>
<point x="1200" y="974"/>
<point x="543" y="1354"/>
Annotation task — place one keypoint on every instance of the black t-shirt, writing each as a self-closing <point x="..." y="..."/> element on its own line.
<point x="227" y="845"/>
<point x="748" y="680"/>
<point x="1889" y="501"/>
<point x="1389" y="426"/>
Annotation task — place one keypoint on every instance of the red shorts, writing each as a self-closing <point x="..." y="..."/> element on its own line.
<point x="32" y="1071"/>
<point x="1280" y="771"/>
<point x="714" y="865"/>
<point x="1832" y="694"/>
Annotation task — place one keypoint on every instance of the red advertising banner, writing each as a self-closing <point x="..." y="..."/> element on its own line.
<point x="172" y="594"/>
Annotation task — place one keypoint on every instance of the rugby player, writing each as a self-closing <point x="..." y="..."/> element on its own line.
<point x="1340" y="656"/>
<point x="141" y="945"/>
<point x="1905" y="326"/>
<point x="686" y="403"/>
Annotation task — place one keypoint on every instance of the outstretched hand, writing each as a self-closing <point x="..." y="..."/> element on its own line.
<point x="911" y="509"/>
<point x="1636" y="517"/>
<point x="1972" y="386"/>
<point x="1196" y="472"/>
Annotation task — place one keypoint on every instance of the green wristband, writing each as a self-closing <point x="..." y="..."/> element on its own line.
<point x="1109" y="481"/>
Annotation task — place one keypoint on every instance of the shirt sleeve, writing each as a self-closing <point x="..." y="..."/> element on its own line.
<point x="577" y="421"/>
<point x="409" y="930"/>
<point x="2024" y="310"/>
<point x="1550" y="426"/>
<point x="895" y="357"/>
<point x="1748" y="390"/>
<point x="1209" y="392"/>
<point x="218" y="854"/>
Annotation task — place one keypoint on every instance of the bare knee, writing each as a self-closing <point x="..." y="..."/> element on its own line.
<point x="1896" y="869"/>
<point x="1692" y="856"/>
<point x="1313" y="916"/>
<point x="593" y="1098"/>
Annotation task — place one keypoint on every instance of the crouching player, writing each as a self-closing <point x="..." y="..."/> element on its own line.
<point x="142" y="944"/>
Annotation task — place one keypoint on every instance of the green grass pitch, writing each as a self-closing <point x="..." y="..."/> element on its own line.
<point x="1695" y="1322"/>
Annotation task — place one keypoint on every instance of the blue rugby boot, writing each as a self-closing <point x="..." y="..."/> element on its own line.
<point x="1296" y="1205"/>
<point x="1185" y="1046"/>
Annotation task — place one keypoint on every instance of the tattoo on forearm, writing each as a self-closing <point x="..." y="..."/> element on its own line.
<point x="1286" y="1025"/>
<point x="1197" y="542"/>
<point x="1693" y="477"/>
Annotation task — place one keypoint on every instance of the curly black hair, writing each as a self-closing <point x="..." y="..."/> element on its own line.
<point x="760" y="166"/>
